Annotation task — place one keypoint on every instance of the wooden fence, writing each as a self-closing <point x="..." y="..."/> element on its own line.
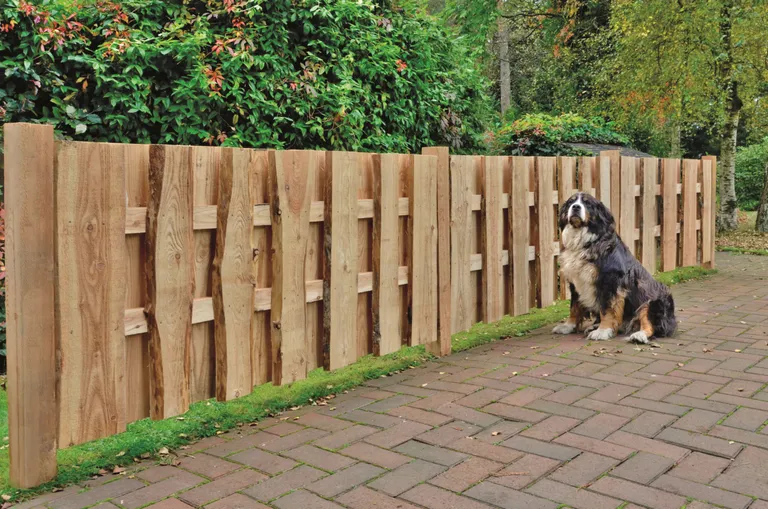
<point x="142" y="278"/>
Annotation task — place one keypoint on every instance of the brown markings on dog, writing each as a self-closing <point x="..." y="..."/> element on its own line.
<point x="576" y="316"/>
<point x="614" y="315"/>
<point x="645" y="324"/>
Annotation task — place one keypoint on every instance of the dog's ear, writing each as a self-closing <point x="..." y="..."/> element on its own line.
<point x="563" y="218"/>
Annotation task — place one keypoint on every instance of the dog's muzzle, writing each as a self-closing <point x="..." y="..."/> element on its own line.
<point x="576" y="215"/>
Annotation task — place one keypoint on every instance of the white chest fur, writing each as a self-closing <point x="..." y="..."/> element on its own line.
<point x="576" y="268"/>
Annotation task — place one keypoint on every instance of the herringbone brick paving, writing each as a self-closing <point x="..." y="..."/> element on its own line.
<point x="535" y="423"/>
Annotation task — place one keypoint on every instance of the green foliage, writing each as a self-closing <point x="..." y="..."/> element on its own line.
<point x="325" y="74"/>
<point x="751" y="164"/>
<point x="540" y="134"/>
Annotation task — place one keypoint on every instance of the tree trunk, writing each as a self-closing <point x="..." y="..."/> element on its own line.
<point x="504" y="74"/>
<point x="761" y="224"/>
<point x="675" y="146"/>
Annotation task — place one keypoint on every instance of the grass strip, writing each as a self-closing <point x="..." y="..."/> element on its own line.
<point x="743" y="250"/>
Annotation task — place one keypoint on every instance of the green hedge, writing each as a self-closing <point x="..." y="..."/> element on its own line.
<point x="750" y="171"/>
<point x="326" y="74"/>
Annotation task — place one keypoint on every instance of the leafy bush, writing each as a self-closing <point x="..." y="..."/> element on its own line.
<point x="541" y="134"/>
<point x="326" y="74"/>
<point x="750" y="171"/>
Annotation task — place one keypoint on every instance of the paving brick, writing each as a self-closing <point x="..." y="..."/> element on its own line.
<point x="207" y="465"/>
<point x="397" y="435"/>
<point x="418" y="415"/>
<point x="515" y="413"/>
<point x="613" y="393"/>
<point x="701" y="492"/>
<point x="507" y="498"/>
<point x="342" y="405"/>
<point x="365" y="498"/>
<point x="704" y="404"/>
<point x="474" y="447"/>
<point x="235" y="501"/>
<point x="746" y="418"/>
<point x="569" y="395"/>
<point x="320" y="458"/>
<point x="739" y="435"/>
<point x="168" y="503"/>
<point x="551" y="407"/>
<point x="741" y="388"/>
<point x="524" y="471"/>
<point x="608" y="408"/>
<point x="240" y="444"/>
<point x="266" y="462"/>
<point x="700" y="365"/>
<point x="600" y="426"/>
<point x="284" y="428"/>
<point x="656" y="391"/>
<point x="430" y="453"/>
<point x="700" y="467"/>
<point x="660" y="367"/>
<point x="655" y="406"/>
<point x="433" y="497"/>
<point x="325" y="422"/>
<point x="454" y="387"/>
<point x="376" y="394"/>
<point x="701" y="443"/>
<point x="294" y="440"/>
<point x="546" y="449"/>
<point x="574" y="497"/>
<point x="600" y="447"/>
<point x="550" y="428"/>
<point x="525" y="396"/>
<point x="390" y="403"/>
<point x="159" y="491"/>
<point x="747" y="474"/>
<point x="92" y="497"/>
<point x="344" y="480"/>
<point x="375" y="455"/>
<point x="370" y="419"/>
<point x="406" y="477"/>
<point x="643" y="467"/>
<point x="204" y="444"/>
<point x="583" y="469"/>
<point x="436" y="401"/>
<point x="648" y="445"/>
<point x="222" y="487"/>
<point x="449" y="433"/>
<point x="698" y="420"/>
<point x="648" y="424"/>
<point x="467" y="414"/>
<point x="481" y="398"/>
<point x="156" y="473"/>
<point x="632" y="492"/>
<point x="341" y="438"/>
<point x="465" y="474"/>
<point x="500" y="431"/>
<point x="294" y="479"/>
<point x="302" y="498"/>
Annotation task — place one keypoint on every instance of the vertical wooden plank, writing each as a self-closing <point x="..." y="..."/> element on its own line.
<point x="462" y="170"/>
<point x="566" y="188"/>
<point x="650" y="168"/>
<point x="615" y="179"/>
<point x="170" y="278"/>
<point x="33" y="412"/>
<point x="314" y="271"/>
<point x="492" y="237"/>
<point x="443" y="345"/>
<point x="626" y="222"/>
<point x="669" y="179"/>
<point x="233" y="276"/>
<point x="364" y="257"/>
<point x="708" y="211"/>
<point x="292" y="176"/>
<point x="261" y="324"/>
<point x="586" y="170"/>
<point x="690" y="174"/>
<point x="137" y="346"/>
<point x="202" y="374"/>
<point x="90" y="285"/>
<point x="340" y="281"/>
<point x="422" y="262"/>
<point x="604" y="184"/>
<point x="545" y="255"/>
<point x="519" y="233"/>
<point x="386" y="263"/>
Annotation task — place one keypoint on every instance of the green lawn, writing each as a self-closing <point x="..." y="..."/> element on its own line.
<point x="208" y="418"/>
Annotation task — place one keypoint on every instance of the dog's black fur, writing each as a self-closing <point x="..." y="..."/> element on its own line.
<point x="614" y="272"/>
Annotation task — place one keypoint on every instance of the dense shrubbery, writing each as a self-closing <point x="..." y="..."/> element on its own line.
<point x="338" y="74"/>
<point x="540" y="134"/>
<point x="750" y="171"/>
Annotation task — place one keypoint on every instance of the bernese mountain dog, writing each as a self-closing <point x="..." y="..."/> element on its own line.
<point x="606" y="281"/>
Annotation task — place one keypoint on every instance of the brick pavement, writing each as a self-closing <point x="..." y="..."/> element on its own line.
<point x="584" y="426"/>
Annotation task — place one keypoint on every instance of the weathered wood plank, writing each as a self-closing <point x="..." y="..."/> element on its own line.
<point x="650" y="169"/>
<point x="233" y="276"/>
<point x="340" y="281"/>
<point x="422" y="260"/>
<point x="626" y="218"/>
<point x="545" y="256"/>
<point x="615" y="176"/>
<point x="314" y="270"/>
<point x="462" y="168"/>
<point x="604" y="193"/>
<point x="492" y="232"/>
<point x="364" y="258"/>
<point x="690" y="201"/>
<point x="519" y="233"/>
<point x="261" y="324"/>
<point x="587" y="167"/>
<point x="669" y="178"/>
<point x="566" y="188"/>
<point x="443" y="345"/>
<point x="170" y="278"/>
<point x="91" y="279"/>
<point x="386" y="250"/>
<point x="708" y="164"/>
<point x="31" y="333"/>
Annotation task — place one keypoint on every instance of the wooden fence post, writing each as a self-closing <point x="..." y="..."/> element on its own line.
<point x="492" y="235"/>
<point x="709" y="197"/>
<point x="33" y="417"/>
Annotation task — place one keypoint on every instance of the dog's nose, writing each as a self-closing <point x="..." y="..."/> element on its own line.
<point x="576" y="207"/>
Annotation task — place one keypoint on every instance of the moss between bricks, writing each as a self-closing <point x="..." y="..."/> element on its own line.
<point x="207" y="418"/>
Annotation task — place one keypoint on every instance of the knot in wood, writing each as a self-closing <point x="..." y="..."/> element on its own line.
<point x="277" y="325"/>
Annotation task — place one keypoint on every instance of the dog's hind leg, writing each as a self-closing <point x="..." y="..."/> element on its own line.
<point x="646" y="331"/>
<point x="571" y="325"/>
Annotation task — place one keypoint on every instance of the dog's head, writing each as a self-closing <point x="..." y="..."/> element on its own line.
<point x="585" y="211"/>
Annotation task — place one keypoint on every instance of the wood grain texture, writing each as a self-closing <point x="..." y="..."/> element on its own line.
<point x="545" y="256"/>
<point x="690" y="202"/>
<point x="670" y="177"/>
<point x="626" y="219"/>
<point x="650" y="169"/>
<point x="291" y="186"/>
<point x="314" y="268"/>
<point x="233" y="276"/>
<point x="492" y="224"/>
<point x="708" y="164"/>
<point x="566" y="188"/>
<point x="604" y="183"/>
<point x="519" y="233"/>
<point x="422" y="262"/>
<point x="442" y="346"/>
<point x="615" y="177"/>
<point x="170" y="278"/>
<point x="364" y="257"/>
<point x="90" y="285"/>
<point x="462" y="315"/>
<point x="386" y="252"/>
<point x="340" y="250"/>
<point x="261" y="238"/>
<point x="31" y="333"/>
<point x="587" y="167"/>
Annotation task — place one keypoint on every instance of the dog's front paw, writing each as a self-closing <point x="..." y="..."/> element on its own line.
<point x="601" y="334"/>
<point x="564" y="328"/>
<point x="591" y="328"/>
<point x="639" y="337"/>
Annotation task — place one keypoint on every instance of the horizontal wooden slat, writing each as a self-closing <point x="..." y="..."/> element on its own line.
<point x="476" y="260"/>
<point x="205" y="216"/>
<point x="202" y="309"/>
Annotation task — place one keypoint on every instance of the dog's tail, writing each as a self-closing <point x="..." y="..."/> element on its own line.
<point x="661" y="313"/>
